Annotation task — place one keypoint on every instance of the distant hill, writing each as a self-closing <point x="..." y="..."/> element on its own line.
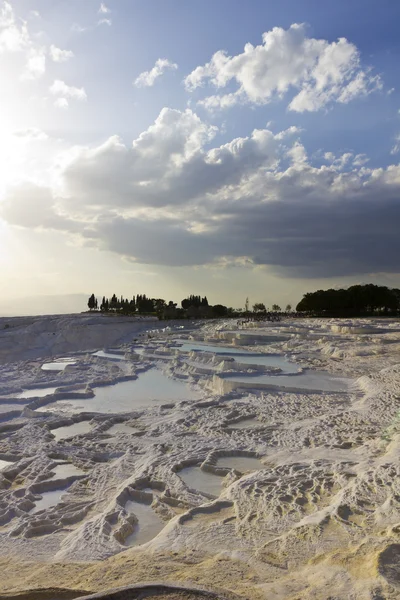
<point x="43" y="305"/>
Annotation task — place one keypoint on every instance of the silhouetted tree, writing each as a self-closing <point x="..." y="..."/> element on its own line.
<point x="185" y="303"/>
<point x="259" y="307"/>
<point x="193" y="300"/>
<point x="194" y="306"/>
<point x="144" y="304"/>
<point x="114" y="303"/>
<point x="356" y="300"/>
<point x="92" y="302"/>
<point x="219" y="310"/>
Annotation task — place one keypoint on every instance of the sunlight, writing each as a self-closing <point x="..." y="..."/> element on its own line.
<point x="12" y="151"/>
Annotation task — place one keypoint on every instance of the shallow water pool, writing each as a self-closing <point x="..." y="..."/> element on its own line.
<point x="48" y="500"/>
<point x="265" y="360"/>
<point x="152" y="388"/>
<point x="121" y="428"/>
<point x="242" y="357"/>
<point x="240" y="463"/>
<point x="102" y="354"/>
<point x="7" y="408"/>
<point x="200" y="480"/>
<point x="65" y="470"/>
<point x="149" y="523"/>
<point x="309" y="380"/>
<point x="58" y="365"/>
<point x="36" y="392"/>
<point x="63" y="433"/>
<point x="199" y="347"/>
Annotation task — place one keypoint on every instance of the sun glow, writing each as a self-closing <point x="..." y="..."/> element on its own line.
<point x="12" y="158"/>
<point x="26" y="154"/>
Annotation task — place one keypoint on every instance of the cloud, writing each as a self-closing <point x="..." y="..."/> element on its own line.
<point x="318" y="71"/>
<point x="360" y="160"/>
<point x="33" y="206"/>
<point x="148" y="78"/>
<point x="176" y="197"/>
<point x="58" y="55"/>
<point x="104" y="10"/>
<point x="396" y="146"/>
<point x="14" y="36"/>
<point x="346" y="160"/>
<point x="35" y="65"/>
<point x="77" y="28"/>
<point x="104" y="13"/>
<point x="31" y="134"/>
<point x="220" y="102"/>
<point x="65" y="93"/>
<point x="61" y="103"/>
<point x="166" y="165"/>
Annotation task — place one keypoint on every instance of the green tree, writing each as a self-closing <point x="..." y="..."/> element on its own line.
<point x="288" y="307"/>
<point x="276" y="308"/>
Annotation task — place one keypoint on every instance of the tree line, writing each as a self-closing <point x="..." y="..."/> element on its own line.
<point x="194" y="306"/>
<point x="357" y="300"/>
<point x="144" y="305"/>
<point x="137" y="304"/>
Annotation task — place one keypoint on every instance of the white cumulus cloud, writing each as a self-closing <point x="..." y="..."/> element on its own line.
<point x="65" y="93"/>
<point x="58" y="55"/>
<point x="14" y="36"/>
<point x="35" y="65"/>
<point x="60" y="88"/>
<point x="175" y="196"/>
<point x="148" y="78"/>
<point x="61" y="103"/>
<point x="318" y="71"/>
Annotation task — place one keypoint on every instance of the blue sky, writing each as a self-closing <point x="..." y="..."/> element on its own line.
<point x="189" y="33"/>
<point x="271" y="166"/>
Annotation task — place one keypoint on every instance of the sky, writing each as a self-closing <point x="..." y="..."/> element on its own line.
<point x="224" y="148"/>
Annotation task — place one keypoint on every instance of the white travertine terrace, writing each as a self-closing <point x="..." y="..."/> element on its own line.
<point x="323" y="502"/>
